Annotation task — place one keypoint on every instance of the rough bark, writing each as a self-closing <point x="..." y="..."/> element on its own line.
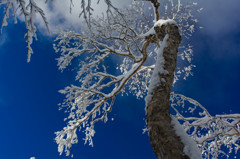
<point x="165" y="143"/>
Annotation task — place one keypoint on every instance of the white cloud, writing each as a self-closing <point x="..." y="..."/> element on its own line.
<point x="59" y="16"/>
<point x="217" y="15"/>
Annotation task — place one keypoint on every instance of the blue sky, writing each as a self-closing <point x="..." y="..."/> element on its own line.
<point x="29" y="95"/>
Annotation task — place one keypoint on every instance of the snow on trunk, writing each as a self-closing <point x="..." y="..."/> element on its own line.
<point x="190" y="146"/>
<point x="159" y="69"/>
<point x="165" y="140"/>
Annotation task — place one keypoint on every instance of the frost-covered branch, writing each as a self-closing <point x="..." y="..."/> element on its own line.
<point x="90" y="102"/>
<point x="215" y="135"/>
<point x="87" y="11"/>
<point x="29" y="12"/>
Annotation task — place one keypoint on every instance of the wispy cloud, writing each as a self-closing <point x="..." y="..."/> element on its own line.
<point x="219" y="17"/>
<point x="221" y="23"/>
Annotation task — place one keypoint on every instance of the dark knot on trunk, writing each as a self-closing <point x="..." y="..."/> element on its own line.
<point x="171" y="30"/>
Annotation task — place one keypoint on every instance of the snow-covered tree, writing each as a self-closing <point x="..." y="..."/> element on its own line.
<point x="136" y="35"/>
<point x="145" y="41"/>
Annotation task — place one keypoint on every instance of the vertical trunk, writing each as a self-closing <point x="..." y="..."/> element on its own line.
<point x="165" y="143"/>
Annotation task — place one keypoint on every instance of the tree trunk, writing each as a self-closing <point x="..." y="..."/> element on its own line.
<point x="165" y="143"/>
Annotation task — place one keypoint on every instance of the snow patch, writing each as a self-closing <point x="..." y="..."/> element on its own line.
<point x="190" y="147"/>
<point x="158" y="69"/>
<point x="162" y="22"/>
<point x="150" y="32"/>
